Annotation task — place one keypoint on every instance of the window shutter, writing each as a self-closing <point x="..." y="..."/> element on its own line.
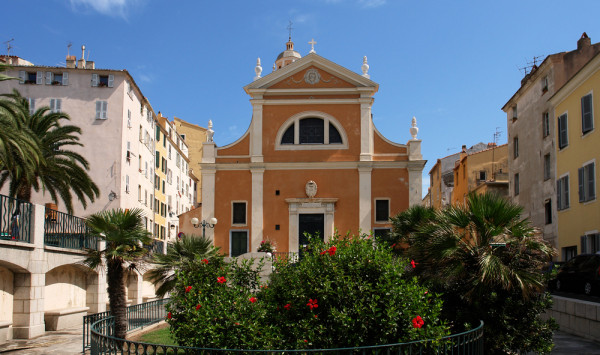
<point x="52" y="105"/>
<point x="586" y="113"/>
<point x="94" y="79"/>
<point x="591" y="182"/>
<point x="48" y="78"/>
<point x="580" y="175"/>
<point x="98" y="109"/>
<point x="58" y="105"/>
<point x="566" y="192"/>
<point x="111" y="80"/>
<point x="65" y="79"/>
<point x="22" y="76"/>
<point x="39" y="78"/>
<point x="559" y="194"/>
<point x="584" y="248"/>
<point x="104" y="109"/>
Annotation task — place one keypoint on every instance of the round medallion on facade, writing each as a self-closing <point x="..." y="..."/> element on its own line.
<point x="311" y="189"/>
<point x="312" y="76"/>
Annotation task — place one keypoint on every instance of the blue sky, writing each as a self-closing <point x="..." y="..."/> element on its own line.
<point x="452" y="64"/>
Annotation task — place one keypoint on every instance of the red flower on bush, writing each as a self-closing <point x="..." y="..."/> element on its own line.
<point x="418" y="322"/>
<point x="205" y="261"/>
<point x="252" y="299"/>
<point x="312" y="303"/>
<point x="287" y="306"/>
<point x="188" y="289"/>
<point x="221" y="279"/>
<point x="198" y="307"/>
<point x="332" y="250"/>
<point x="393" y="246"/>
<point x="414" y="265"/>
<point x="169" y="315"/>
<point x="316" y="316"/>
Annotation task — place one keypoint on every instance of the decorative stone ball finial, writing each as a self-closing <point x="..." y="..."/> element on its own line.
<point x="210" y="133"/>
<point x="257" y="69"/>
<point x="365" y="68"/>
<point x="274" y="66"/>
<point x="414" y="129"/>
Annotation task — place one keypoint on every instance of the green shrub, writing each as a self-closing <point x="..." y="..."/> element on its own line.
<point x="345" y="293"/>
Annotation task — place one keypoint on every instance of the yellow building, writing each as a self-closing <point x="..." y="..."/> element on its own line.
<point x="194" y="136"/>
<point x="160" y="178"/>
<point x="578" y="147"/>
<point x="483" y="171"/>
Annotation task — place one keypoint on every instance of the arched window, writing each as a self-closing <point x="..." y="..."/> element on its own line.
<point x="306" y="130"/>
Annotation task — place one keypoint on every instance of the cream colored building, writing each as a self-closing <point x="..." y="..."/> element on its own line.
<point x="577" y="155"/>
<point x="194" y="136"/>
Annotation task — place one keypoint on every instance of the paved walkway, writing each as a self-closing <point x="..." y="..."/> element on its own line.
<point x="68" y="342"/>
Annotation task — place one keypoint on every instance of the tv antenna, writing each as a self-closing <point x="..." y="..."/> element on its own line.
<point x="88" y="55"/>
<point x="497" y="135"/>
<point x="69" y="48"/>
<point x="8" y="46"/>
<point x="531" y="65"/>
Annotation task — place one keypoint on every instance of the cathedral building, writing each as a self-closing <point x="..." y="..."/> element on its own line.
<point x="311" y="161"/>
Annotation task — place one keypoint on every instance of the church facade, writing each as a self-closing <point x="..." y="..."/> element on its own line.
<point x="311" y="161"/>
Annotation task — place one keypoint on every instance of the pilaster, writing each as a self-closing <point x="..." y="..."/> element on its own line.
<point x="208" y="198"/>
<point x="366" y="130"/>
<point x="364" y="198"/>
<point x="256" y="231"/>
<point x="256" y="140"/>
<point x="415" y="185"/>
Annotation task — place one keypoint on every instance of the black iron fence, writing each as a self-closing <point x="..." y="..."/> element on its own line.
<point x="138" y="316"/>
<point x="15" y="219"/>
<point x="102" y="341"/>
<point x="66" y="231"/>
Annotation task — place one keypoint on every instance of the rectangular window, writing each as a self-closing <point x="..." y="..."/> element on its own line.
<point x="587" y="182"/>
<point x="546" y="124"/>
<point x="516" y="147"/>
<point x="547" y="166"/>
<point x="238" y="213"/>
<point x="239" y="243"/>
<point x="514" y="113"/>
<point x="158" y="133"/>
<point x="101" y="108"/>
<point x="563" y="136"/>
<point x="163" y="186"/>
<point x="127" y="184"/>
<point x="382" y="211"/>
<point x="548" y="211"/>
<point x="381" y="232"/>
<point x="482" y="175"/>
<point x="562" y="193"/>
<point x="544" y="85"/>
<point x="516" y="182"/>
<point x="569" y="253"/>
<point x="587" y="114"/>
<point x="157" y="159"/>
<point x="140" y="193"/>
<point x="55" y="105"/>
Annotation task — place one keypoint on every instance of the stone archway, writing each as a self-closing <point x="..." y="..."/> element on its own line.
<point x="148" y="289"/>
<point x="66" y="298"/>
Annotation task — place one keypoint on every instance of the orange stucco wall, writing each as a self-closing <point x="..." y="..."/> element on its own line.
<point x="392" y="184"/>
<point x="232" y="185"/>
<point x="240" y="148"/>
<point x="380" y="146"/>
<point x="296" y="81"/>
<point x="274" y="116"/>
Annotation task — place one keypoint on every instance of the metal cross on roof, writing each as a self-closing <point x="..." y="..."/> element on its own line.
<point x="290" y="28"/>
<point x="312" y="45"/>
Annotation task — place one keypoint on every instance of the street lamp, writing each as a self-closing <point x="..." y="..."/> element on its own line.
<point x="210" y="224"/>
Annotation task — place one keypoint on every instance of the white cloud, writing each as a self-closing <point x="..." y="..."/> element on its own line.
<point x="145" y="78"/>
<point x="116" y="8"/>
<point x="372" y="3"/>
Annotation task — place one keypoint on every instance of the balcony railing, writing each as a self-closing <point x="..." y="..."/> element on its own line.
<point x="15" y="219"/>
<point x="67" y="231"/>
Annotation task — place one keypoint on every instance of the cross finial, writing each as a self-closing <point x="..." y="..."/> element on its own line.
<point x="290" y="28"/>
<point x="312" y="45"/>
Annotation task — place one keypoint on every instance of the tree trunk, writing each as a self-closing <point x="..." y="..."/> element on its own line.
<point x="116" y="296"/>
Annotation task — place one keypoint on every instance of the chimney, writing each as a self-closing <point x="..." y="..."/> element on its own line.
<point x="463" y="153"/>
<point x="81" y="62"/>
<point x="71" y="61"/>
<point x="584" y="41"/>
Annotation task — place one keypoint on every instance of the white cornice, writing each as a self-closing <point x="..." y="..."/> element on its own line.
<point x="311" y="102"/>
<point x="411" y="165"/>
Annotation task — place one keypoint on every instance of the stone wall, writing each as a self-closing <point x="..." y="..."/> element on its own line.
<point x="577" y="317"/>
<point x="6" y="294"/>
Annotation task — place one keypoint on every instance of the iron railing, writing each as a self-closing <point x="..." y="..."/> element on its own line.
<point x="138" y="316"/>
<point x="67" y="231"/>
<point x="15" y="219"/>
<point x="291" y="257"/>
<point x="102" y="341"/>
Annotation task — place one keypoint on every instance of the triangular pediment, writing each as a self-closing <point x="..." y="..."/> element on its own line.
<point x="311" y="72"/>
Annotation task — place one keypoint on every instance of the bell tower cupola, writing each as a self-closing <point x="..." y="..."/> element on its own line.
<point x="289" y="55"/>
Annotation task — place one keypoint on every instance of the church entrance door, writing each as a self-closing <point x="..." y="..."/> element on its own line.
<point x="311" y="223"/>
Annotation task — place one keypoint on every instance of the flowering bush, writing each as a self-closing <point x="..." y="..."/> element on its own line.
<point x="267" y="246"/>
<point x="345" y="293"/>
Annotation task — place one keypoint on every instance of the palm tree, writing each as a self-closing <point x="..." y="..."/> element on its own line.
<point x="125" y="236"/>
<point x="54" y="168"/>
<point x="187" y="249"/>
<point x="487" y="262"/>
